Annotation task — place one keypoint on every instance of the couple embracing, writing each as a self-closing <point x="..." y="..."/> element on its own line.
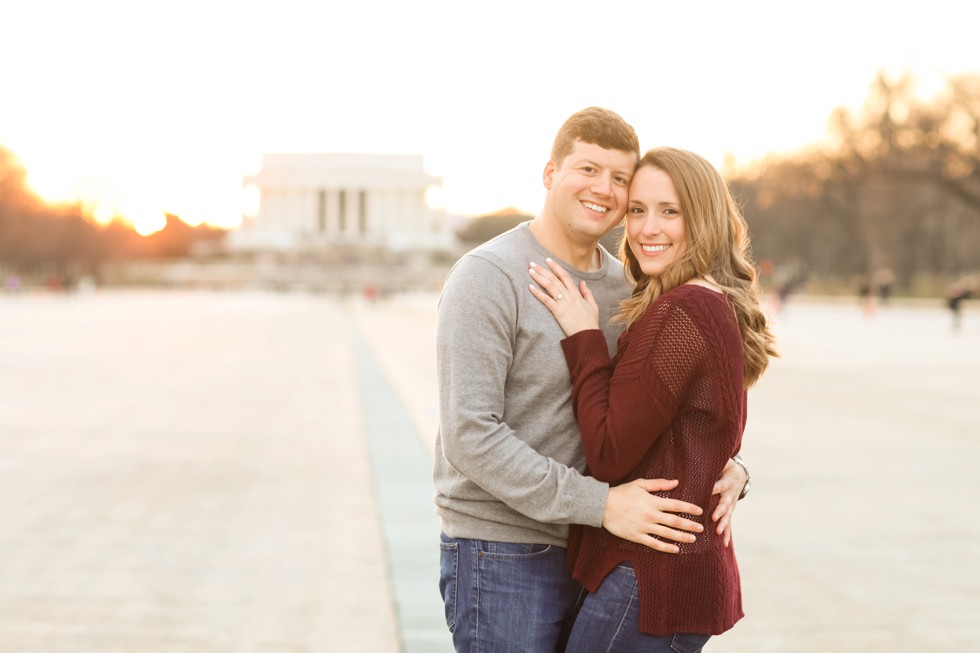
<point x="592" y="407"/>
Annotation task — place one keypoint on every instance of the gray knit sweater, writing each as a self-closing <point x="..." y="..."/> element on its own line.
<point x="508" y="460"/>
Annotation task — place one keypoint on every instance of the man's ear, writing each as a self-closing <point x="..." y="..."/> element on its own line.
<point x="549" y="173"/>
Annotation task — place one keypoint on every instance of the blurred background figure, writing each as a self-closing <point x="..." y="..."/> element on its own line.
<point x="789" y="278"/>
<point x="959" y="292"/>
<point x="865" y="296"/>
<point x="884" y="279"/>
<point x="874" y="289"/>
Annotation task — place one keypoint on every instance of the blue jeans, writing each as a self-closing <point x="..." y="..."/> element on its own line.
<point x="609" y="621"/>
<point x="503" y="597"/>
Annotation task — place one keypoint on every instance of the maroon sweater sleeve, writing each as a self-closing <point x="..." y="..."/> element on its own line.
<point x="623" y="408"/>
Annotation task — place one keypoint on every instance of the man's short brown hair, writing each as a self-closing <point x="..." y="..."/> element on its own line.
<point x="598" y="126"/>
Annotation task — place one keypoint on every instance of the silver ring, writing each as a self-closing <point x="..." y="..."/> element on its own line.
<point x="559" y="296"/>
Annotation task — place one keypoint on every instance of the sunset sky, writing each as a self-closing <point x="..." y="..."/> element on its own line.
<point x="143" y="107"/>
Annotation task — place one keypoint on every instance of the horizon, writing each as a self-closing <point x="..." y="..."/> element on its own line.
<point x="171" y="113"/>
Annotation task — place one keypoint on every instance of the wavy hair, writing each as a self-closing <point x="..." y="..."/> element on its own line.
<point x="717" y="245"/>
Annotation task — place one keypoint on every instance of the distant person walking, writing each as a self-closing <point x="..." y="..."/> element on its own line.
<point x="866" y="296"/>
<point x="958" y="293"/>
<point x="670" y="404"/>
<point x="884" y="280"/>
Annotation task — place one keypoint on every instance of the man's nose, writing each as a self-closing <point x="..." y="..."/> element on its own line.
<point x="602" y="185"/>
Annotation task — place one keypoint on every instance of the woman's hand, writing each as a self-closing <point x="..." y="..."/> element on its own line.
<point x="574" y="308"/>
<point x="728" y="487"/>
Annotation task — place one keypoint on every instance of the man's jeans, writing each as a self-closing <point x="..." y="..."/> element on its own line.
<point x="503" y="597"/>
<point x="609" y="621"/>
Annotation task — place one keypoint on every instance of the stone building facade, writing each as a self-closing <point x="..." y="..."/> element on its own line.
<point x="317" y="201"/>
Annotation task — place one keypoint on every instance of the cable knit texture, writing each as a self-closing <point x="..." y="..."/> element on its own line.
<point x="670" y="405"/>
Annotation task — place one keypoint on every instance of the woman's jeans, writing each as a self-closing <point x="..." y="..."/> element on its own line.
<point x="503" y="597"/>
<point x="609" y="621"/>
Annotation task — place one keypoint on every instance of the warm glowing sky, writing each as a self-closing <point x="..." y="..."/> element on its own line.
<point x="144" y="107"/>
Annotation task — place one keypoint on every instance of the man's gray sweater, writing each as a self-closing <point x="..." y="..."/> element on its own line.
<point x="508" y="460"/>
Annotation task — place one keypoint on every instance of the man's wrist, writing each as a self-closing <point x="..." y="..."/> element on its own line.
<point x="738" y="460"/>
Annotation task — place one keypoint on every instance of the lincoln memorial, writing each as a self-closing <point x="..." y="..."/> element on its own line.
<point x="317" y="201"/>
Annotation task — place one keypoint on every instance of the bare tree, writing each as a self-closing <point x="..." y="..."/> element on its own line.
<point x="898" y="189"/>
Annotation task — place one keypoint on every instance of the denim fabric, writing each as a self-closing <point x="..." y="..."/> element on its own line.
<point x="609" y="621"/>
<point x="503" y="597"/>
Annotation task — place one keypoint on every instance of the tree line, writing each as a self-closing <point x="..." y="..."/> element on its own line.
<point x="40" y="241"/>
<point x="896" y="191"/>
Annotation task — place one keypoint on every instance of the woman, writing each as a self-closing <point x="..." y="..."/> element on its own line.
<point x="670" y="405"/>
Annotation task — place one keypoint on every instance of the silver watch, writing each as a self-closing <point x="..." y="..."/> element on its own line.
<point x="737" y="459"/>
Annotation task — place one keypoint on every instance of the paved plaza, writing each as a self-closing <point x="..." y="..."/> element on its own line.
<point x="249" y="472"/>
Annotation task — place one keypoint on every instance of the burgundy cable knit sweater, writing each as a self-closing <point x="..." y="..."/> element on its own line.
<point x="670" y="405"/>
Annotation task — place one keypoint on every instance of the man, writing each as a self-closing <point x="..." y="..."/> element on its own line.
<point x="509" y="462"/>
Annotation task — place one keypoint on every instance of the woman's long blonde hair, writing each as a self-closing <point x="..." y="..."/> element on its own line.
<point x="717" y="245"/>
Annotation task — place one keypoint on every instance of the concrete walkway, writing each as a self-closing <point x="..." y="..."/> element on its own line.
<point x="187" y="473"/>
<point x="191" y="472"/>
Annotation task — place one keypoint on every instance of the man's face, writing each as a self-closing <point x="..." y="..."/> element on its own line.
<point x="589" y="190"/>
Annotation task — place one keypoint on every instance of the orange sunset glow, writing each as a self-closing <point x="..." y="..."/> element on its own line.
<point x="166" y="112"/>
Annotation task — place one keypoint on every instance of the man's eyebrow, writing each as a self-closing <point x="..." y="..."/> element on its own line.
<point x="596" y="164"/>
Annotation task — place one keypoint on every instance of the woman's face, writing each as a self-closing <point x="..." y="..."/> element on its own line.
<point x="655" y="226"/>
